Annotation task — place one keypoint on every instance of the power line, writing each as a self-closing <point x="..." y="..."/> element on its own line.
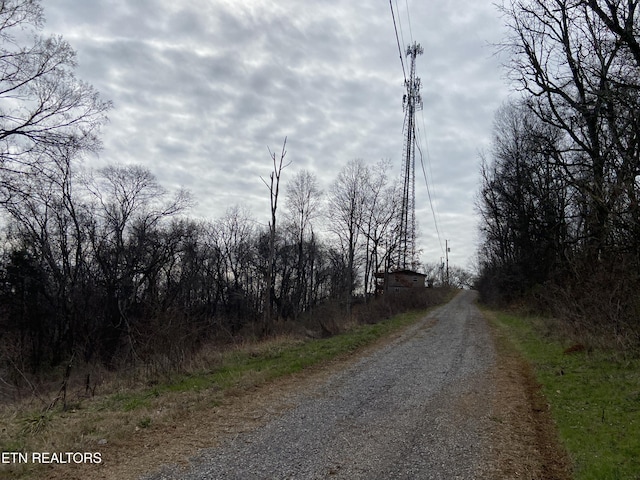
<point x="400" y="23"/>
<point x="404" y="72"/>
<point x="428" y="155"/>
<point x="408" y="20"/>
<point x="433" y="211"/>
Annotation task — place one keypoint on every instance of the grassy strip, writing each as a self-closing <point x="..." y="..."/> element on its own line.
<point x="594" y="398"/>
<point x="114" y="416"/>
<point x="257" y="364"/>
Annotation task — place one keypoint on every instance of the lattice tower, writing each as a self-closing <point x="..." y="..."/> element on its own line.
<point x="412" y="102"/>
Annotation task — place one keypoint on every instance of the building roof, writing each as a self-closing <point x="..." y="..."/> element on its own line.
<point x="401" y="272"/>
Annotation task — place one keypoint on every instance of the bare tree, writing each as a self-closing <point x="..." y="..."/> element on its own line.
<point x="303" y="202"/>
<point x="573" y="59"/>
<point x="44" y="106"/>
<point x="274" y="189"/>
<point x="48" y="118"/>
<point x="379" y="213"/>
<point x="523" y="203"/>
<point x="129" y="206"/>
<point x="48" y="221"/>
<point x="235" y="238"/>
<point x="620" y="17"/>
<point x="346" y="206"/>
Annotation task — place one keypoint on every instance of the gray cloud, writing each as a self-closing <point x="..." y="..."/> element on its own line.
<point x="201" y="89"/>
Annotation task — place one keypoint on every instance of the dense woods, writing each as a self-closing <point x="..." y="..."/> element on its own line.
<point x="560" y="187"/>
<point x="109" y="267"/>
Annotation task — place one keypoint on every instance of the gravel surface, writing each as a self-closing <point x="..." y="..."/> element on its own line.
<point x="417" y="408"/>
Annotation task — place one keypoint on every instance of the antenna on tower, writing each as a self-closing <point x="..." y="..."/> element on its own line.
<point x="412" y="102"/>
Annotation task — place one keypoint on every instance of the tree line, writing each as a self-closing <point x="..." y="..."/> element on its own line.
<point x="108" y="266"/>
<point x="560" y="187"/>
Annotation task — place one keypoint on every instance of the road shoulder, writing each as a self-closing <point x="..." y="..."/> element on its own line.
<point x="523" y="437"/>
<point x="194" y="428"/>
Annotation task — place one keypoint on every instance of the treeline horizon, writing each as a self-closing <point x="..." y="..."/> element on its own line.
<point x="110" y="267"/>
<point x="560" y="187"/>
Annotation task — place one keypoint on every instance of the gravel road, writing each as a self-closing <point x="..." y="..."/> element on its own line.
<point x="416" y="409"/>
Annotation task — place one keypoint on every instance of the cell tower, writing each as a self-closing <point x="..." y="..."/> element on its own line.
<point x="412" y="102"/>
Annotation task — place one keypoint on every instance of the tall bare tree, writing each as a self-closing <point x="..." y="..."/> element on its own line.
<point x="48" y="219"/>
<point x="303" y="205"/>
<point x="274" y="190"/>
<point x="380" y="211"/>
<point x="523" y="203"/>
<point x="346" y="206"/>
<point x="129" y="205"/>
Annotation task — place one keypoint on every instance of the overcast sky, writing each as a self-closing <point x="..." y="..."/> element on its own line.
<point x="201" y="88"/>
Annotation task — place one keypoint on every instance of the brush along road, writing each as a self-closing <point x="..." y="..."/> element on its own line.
<point x="416" y="408"/>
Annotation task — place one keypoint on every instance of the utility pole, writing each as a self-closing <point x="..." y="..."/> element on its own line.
<point x="412" y="102"/>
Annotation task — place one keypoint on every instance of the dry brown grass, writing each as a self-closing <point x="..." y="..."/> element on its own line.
<point x="524" y="439"/>
<point x="117" y="426"/>
<point x="119" y="408"/>
<point x="138" y="440"/>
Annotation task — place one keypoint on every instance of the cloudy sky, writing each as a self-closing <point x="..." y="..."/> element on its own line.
<point x="201" y="88"/>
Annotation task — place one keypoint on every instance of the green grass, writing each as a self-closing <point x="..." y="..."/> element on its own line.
<point x="251" y="367"/>
<point x="240" y="368"/>
<point x="114" y="416"/>
<point x="594" y="398"/>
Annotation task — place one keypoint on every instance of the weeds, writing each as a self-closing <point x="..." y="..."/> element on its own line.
<point x="162" y="400"/>
<point x="34" y="423"/>
<point x="144" y="422"/>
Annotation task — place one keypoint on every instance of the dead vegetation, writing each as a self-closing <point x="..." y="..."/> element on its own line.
<point x="525" y="443"/>
<point x="94" y="409"/>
